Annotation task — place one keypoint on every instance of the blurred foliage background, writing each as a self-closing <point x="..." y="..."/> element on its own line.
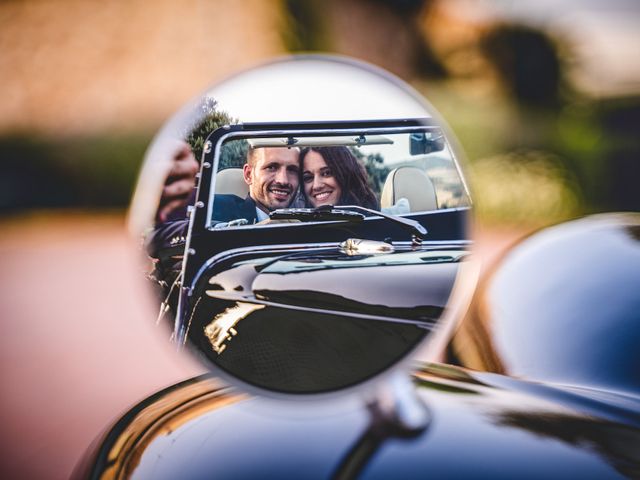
<point x="544" y="98"/>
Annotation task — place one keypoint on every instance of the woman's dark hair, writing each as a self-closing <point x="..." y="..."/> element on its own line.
<point x="348" y="172"/>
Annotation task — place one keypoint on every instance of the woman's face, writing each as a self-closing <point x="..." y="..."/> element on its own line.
<point x="320" y="186"/>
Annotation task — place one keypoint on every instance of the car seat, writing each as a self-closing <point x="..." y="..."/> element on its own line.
<point x="411" y="183"/>
<point x="231" y="181"/>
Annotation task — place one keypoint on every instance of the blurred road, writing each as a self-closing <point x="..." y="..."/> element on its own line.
<point x="78" y="344"/>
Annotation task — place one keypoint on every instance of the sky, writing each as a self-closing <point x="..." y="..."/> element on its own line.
<point x="317" y="88"/>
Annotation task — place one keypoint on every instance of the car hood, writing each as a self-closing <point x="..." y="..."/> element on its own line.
<point x="411" y="285"/>
<point x="482" y="425"/>
<point x="317" y="320"/>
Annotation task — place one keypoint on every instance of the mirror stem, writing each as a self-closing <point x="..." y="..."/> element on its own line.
<point x="396" y="411"/>
<point x="398" y="407"/>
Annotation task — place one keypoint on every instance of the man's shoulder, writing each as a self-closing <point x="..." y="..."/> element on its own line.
<point x="227" y="207"/>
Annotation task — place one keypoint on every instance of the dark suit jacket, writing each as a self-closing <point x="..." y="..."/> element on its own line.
<point x="232" y="207"/>
<point x="169" y="236"/>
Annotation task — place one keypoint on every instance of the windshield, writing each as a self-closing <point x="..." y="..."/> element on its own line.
<point x="395" y="173"/>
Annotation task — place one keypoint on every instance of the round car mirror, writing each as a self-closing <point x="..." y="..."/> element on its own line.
<point x="306" y="223"/>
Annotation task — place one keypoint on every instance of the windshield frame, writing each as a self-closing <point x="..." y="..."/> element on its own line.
<point x="311" y="129"/>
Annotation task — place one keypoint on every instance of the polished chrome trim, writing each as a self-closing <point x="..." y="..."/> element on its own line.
<point x="436" y="244"/>
<point x="328" y="246"/>
<point x="427" y="325"/>
<point x="292" y="247"/>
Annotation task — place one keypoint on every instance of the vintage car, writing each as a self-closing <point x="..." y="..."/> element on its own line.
<point x="329" y="327"/>
<point x="541" y="380"/>
<point x="315" y="299"/>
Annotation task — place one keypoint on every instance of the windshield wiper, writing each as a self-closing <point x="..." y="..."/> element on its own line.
<point x="417" y="230"/>
<point x="347" y="213"/>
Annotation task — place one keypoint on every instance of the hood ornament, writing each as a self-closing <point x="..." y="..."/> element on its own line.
<point x="358" y="246"/>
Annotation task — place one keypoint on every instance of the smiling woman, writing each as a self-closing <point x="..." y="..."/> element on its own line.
<point x="333" y="176"/>
<point x="319" y="180"/>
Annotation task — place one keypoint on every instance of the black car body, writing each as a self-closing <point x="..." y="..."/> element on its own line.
<point x="482" y="426"/>
<point x="366" y="285"/>
<point x="508" y="398"/>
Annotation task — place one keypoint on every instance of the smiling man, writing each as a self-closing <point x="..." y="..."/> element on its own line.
<point x="272" y="176"/>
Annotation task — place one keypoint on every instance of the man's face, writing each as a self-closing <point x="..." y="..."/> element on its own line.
<point x="273" y="179"/>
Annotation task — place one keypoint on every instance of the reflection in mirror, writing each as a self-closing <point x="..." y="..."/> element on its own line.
<point x="396" y="173"/>
<point x="307" y="254"/>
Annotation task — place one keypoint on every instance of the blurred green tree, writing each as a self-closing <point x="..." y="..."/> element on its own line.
<point x="209" y="118"/>
<point x="376" y="170"/>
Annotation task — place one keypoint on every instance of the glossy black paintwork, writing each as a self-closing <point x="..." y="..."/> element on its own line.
<point x="560" y="315"/>
<point x="563" y="307"/>
<point x="480" y="428"/>
<point x="328" y="279"/>
<point x="315" y="320"/>
<point x="443" y="226"/>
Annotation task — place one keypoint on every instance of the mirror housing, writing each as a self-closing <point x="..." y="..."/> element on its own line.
<point x="279" y="307"/>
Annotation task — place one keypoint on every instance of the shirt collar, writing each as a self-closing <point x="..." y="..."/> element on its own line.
<point x="260" y="215"/>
